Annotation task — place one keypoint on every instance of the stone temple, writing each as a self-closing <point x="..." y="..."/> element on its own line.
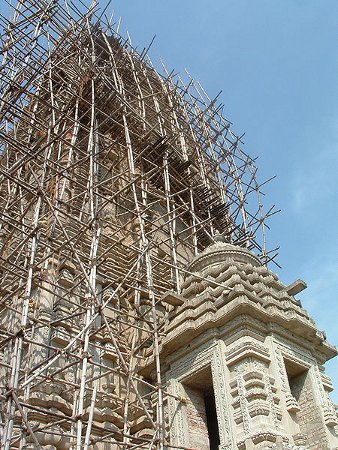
<point x="138" y="305"/>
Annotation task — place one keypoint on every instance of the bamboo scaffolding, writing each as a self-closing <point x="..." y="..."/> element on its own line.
<point x="112" y="177"/>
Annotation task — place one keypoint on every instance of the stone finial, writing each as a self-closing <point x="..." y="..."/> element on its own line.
<point x="220" y="252"/>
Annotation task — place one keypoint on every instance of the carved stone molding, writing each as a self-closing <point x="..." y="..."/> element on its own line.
<point x="219" y="377"/>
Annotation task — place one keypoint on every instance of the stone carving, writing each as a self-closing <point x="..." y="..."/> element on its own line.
<point x="244" y="403"/>
<point x="272" y="399"/>
<point x="291" y="403"/>
<point x="66" y="277"/>
<point x="195" y="360"/>
<point x="218" y="369"/>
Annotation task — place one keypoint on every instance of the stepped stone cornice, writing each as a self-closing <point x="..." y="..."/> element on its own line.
<point x="227" y="280"/>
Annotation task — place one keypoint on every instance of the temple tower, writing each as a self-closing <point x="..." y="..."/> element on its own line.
<point x="137" y="309"/>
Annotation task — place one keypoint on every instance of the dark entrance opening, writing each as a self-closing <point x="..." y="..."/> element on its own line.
<point x="212" y="424"/>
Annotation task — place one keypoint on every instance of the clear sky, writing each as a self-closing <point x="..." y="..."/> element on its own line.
<point x="276" y="62"/>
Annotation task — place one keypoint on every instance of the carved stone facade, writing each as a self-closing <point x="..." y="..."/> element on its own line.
<point x="237" y="331"/>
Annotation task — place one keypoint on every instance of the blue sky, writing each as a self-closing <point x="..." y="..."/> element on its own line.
<point x="276" y="62"/>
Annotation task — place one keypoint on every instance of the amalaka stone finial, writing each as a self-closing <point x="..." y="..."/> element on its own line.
<point x="221" y="251"/>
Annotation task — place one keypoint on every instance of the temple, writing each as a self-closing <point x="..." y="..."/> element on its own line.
<point x="139" y="309"/>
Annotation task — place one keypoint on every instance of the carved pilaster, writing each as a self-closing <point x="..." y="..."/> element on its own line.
<point x="273" y="400"/>
<point x="178" y="421"/>
<point x="243" y="403"/>
<point x="218" y="369"/>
